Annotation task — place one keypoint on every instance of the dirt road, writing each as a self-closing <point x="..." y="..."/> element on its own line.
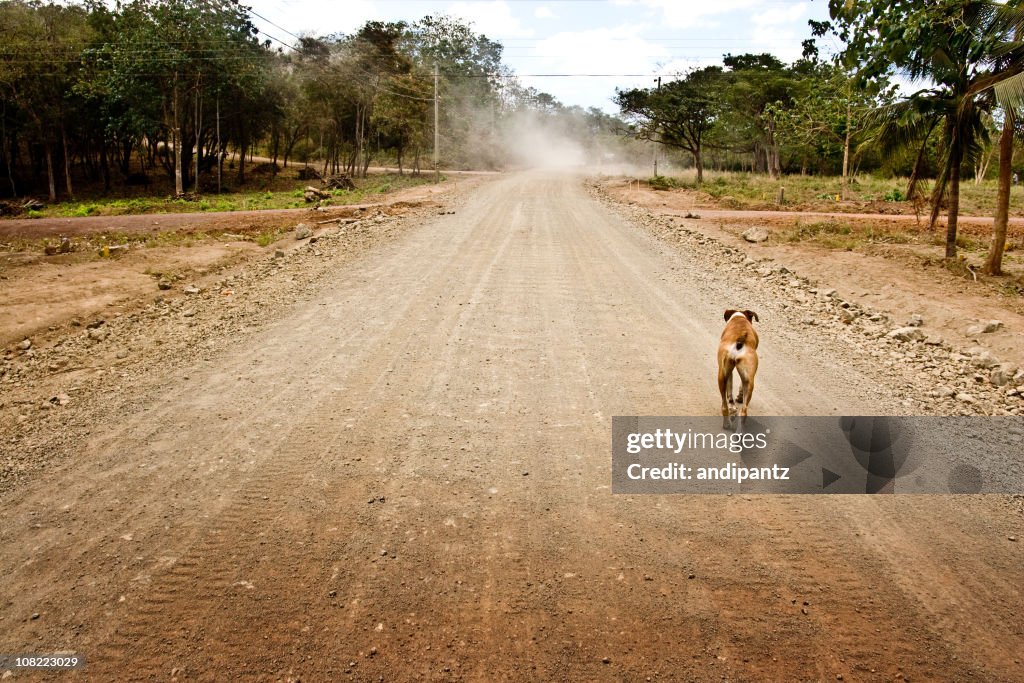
<point x="406" y="476"/>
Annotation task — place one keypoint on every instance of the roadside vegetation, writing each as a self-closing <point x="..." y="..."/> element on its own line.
<point x="866" y="193"/>
<point x="107" y="109"/>
<point x="844" y="115"/>
<point x="282" y="193"/>
<point x="176" y="97"/>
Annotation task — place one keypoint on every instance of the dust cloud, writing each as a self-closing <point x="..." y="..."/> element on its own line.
<point x="533" y="140"/>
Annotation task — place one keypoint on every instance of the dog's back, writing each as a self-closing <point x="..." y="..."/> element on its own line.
<point x="737" y="351"/>
<point x="739" y="333"/>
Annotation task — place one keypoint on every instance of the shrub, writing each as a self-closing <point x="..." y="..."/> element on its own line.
<point x="660" y="182"/>
<point x="266" y="238"/>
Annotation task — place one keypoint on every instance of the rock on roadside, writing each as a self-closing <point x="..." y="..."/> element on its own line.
<point x="755" y="235"/>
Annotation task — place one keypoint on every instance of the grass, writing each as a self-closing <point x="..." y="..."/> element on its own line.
<point x="758" y="191"/>
<point x="91" y="245"/>
<point x="660" y="182"/>
<point x="287" y="194"/>
<point x="265" y="239"/>
<point x="834" y="234"/>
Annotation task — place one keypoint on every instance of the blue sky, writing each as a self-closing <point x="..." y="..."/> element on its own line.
<point x="648" y="37"/>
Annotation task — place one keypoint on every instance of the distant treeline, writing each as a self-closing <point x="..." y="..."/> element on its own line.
<point x="962" y="62"/>
<point x="754" y="113"/>
<point x="112" y="95"/>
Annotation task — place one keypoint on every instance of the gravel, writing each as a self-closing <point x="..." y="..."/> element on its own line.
<point x="102" y="382"/>
<point x="932" y="376"/>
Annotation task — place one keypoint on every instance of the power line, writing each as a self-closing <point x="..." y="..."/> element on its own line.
<point x="260" y="16"/>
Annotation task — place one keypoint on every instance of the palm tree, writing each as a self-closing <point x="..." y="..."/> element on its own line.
<point x="994" y="260"/>
<point x="953" y="45"/>
<point x="1007" y="85"/>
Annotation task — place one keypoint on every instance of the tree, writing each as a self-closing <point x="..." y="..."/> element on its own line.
<point x="175" y="84"/>
<point x="950" y="44"/>
<point x="1007" y="84"/>
<point x="759" y="88"/>
<point x="831" y="114"/>
<point x="42" y="44"/>
<point x="679" y="114"/>
<point x="994" y="259"/>
<point x="169" y="57"/>
<point x="403" y="119"/>
<point x="471" y="82"/>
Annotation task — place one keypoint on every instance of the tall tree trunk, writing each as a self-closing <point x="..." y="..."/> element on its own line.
<point x="179" y="184"/>
<point x="49" y="172"/>
<point x="358" y="159"/>
<point x="939" y="192"/>
<point x="220" y="151"/>
<point x="67" y="162"/>
<point x="275" y="137"/>
<point x="698" y="161"/>
<point x="198" y="126"/>
<point x="8" y="151"/>
<point x="954" y="199"/>
<point x="105" y="166"/>
<point x="846" y="156"/>
<point x="241" y="165"/>
<point x="994" y="262"/>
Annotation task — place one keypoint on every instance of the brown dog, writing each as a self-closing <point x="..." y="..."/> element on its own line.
<point x="737" y="350"/>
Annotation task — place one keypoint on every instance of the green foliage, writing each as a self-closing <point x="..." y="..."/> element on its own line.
<point x="265" y="239"/>
<point x="660" y="182"/>
<point x="177" y="86"/>
<point x="38" y="71"/>
<point x="894" y="195"/>
<point x="679" y="114"/>
<point x="760" y="89"/>
<point x="961" y="48"/>
<point x="240" y="201"/>
<point x="818" y="193"/>
<point x="835" y="234"/>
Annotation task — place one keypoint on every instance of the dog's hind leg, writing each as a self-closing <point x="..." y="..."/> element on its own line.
<point x="725" y="368"/>
<point x="725" y="389"/>
<point x="747" y="389"/>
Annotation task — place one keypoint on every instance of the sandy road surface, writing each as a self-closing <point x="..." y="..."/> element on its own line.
<point x="407" y="477"/>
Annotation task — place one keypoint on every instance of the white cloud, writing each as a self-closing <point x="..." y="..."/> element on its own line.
<point x="780" y="31"/>
<point x="544" y="12"/>
<point x="494" y="19"/>
<point x="675" y="14"/>
<point x="602" y="50"/>
<point x="682" y="66"/>
<point x="616" y="50"/>
<point x="781" y="15"/>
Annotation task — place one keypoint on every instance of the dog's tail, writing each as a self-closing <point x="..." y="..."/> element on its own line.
<point x="741" y="341"/>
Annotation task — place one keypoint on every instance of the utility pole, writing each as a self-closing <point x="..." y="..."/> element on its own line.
<point x="655" y="136"/>
<point x="437" y="131"/>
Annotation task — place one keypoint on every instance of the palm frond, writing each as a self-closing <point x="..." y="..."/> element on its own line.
<point x="1010" y="91"/>
<point x="903" y="124"/>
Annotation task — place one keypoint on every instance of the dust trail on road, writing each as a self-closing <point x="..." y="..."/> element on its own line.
<point x="409" y="475"/>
